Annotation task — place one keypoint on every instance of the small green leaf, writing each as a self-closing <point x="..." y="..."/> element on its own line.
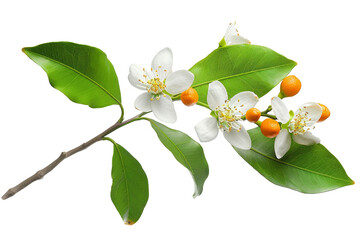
<point x="243" y="67"/>
<point x="307" y="169"/>
<point x="130" y="189"/>
<point x="187" y="151"/>
<point x="83" y="73"/>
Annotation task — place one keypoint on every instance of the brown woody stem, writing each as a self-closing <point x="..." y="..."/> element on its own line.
<point x="41" y="173"/>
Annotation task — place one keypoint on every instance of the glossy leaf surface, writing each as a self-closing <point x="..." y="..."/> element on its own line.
<point x="130" y="189"/>
<point x="187" y="151"/>
<point x="83" y="73"/>
<point x="307" y="169"/>
<point x="240" y="68"/>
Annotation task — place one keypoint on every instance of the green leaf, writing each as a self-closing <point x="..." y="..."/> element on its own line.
<point x="187" y="151"/>
<point x="130" y="189"/>
<point x="243" y="67"/>
<point x="83" y="73"/>
<point x="307" y="169"/>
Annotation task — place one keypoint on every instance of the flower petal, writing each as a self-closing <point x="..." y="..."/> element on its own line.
<point x="217" y="95"/>
<point x="232" y="36"/>
<point x="163" y="60"/>
<point x="313" y="112"/>
<point x="164" y="109"/>
<point x="280" y="110"/>
<point x="207" y="129"/>
<point x="282" y="143"/>
<point x="143" y="102"/>
<point x="244" y="101"/>
<point x="239" y="139"/>
<point x="306" y="139"/>
<point x="179" y="81"/>
<point x="237" y="39"/>
<point x="138" y="76"/>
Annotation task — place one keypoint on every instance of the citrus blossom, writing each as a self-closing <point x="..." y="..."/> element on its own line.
<point x="226" y="116"/>
<point x="158" y="84"/>
<point x="233" y="37"/>
<point x="296" y="125"/>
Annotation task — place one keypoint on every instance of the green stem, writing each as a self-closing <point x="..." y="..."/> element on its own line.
<point x="203" y="105"/>
<point x="258" y="123"/>
<point x="109" y="139"/>
<point x="122" y="113"/>
<point x="281" y="95"/>
<point x="269" y="108"/>
<point x="269" y="116"/>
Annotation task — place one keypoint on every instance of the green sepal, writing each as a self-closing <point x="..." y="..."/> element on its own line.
<point x="286" y="125"/>
<point x="222" y="43"/>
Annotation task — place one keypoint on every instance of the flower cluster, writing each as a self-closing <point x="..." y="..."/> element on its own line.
<point x="227" y="115"/>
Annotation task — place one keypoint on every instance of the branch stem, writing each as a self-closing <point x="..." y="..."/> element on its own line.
<point x="269" y="116"/>
<point x="269" y="108"/>
<point x="41" y="173"/>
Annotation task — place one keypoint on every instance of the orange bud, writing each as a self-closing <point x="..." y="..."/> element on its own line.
<point x="189" y="97"/>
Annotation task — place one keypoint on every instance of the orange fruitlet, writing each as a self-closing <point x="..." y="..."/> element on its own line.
<point x="270" y="128"/>
<point x="290" y="86"/>
<point x="325" y="113"/>
<point x="189" y="97"/>
<point x="253" y="115"/>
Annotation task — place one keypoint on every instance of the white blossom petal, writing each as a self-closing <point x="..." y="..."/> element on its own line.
<point x="163" y="60"/>
<point x="179" y="81"/>
<point x="239" y="139"/>
<point x="280" y="110"/>
<point x="143" y="102"/>
<point x="164" y="109"/>
<point x="236" y="39"/>
<point x="232" y="36"/>
<point x="138" y="76"/>
<point x="306" y="139"/>
<point x="207" y="129"/>
<point x="313" y="112"/>
<point x="244" y="101"/>
<point x="282" y="143"/>
<point x="217" y="95"/>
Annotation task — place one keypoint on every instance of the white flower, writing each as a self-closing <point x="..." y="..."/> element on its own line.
<point x="233" y="37"/>
<point x="226" y="116"/>
<point x="158" y="84"/>
<point x="297" y="125"/>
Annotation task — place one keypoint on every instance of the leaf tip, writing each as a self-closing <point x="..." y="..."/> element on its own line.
<point x="197" y="192"/>
<point x="129" y="222"/>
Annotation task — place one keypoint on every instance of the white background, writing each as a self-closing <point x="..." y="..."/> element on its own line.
<point x="73" y="202"/>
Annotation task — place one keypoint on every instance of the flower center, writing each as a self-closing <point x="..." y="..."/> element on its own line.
<point x="155" y="81"/>
<point x="228" y="117"/>
<point x="155" y="86"/>
<point x="299" y="124"/>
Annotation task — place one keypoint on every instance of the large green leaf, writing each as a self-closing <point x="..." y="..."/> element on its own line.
<point x="130" y="189"/>
<point x="240" y="68"/>
<point x="187" y="151"/>
<point x="307" y="169"/>
<point x="83" y="73"/>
